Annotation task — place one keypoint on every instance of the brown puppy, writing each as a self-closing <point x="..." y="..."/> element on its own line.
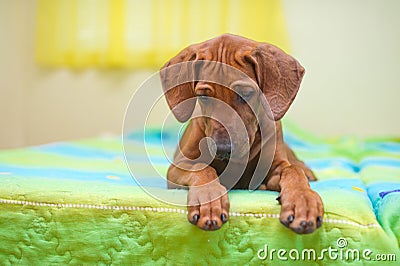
<point x="275" y="76"/>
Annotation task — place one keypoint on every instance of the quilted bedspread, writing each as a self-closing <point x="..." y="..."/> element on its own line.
<point x="76" y="202"/>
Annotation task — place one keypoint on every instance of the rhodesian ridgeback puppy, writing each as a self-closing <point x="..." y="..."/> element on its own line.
<point x="276" y="76"/>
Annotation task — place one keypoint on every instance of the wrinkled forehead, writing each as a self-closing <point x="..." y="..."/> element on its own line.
<point x="223" y="74"/>
<point x="210" y="72"/>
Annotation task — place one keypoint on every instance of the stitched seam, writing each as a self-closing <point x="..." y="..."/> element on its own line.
<point x="161" y="209"/>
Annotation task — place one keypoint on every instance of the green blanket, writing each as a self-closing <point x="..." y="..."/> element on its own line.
<point x="76" y="202"/>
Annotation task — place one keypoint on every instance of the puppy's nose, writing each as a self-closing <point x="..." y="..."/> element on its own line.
<point x="223" y="150"/>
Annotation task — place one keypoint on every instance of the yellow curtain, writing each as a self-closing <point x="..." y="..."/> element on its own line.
<point x="137" y="34"/>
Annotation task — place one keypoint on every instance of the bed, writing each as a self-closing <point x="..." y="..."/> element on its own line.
<point x="76" y="202"/>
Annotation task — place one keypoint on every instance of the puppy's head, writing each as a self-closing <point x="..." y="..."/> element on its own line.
<point x="264" y="71"/>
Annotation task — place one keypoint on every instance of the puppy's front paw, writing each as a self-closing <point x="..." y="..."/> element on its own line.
<point x="208" y="205"/>
<point x="302" y="210"/>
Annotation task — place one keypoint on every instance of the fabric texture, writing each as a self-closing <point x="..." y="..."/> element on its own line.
<point x="76" y="202"/>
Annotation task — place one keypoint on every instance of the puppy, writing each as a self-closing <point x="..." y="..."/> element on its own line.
<point x="231" y="103"/>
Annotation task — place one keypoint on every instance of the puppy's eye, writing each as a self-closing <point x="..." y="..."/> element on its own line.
<point x="245" y="96"/>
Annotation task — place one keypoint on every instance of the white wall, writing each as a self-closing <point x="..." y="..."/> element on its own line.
<point x="350" y="50"/>
<point x="12" y="73"/>
<point x="39" y="105"/>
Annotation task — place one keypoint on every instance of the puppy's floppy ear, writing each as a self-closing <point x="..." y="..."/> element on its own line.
<point x="278" y="75"/>
<point x="178" y="81"/>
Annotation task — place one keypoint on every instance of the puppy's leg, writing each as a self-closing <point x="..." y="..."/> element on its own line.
<point x="294" y="160"/>
<point x="208" y="203"/>
<point x="302" y="209"/>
